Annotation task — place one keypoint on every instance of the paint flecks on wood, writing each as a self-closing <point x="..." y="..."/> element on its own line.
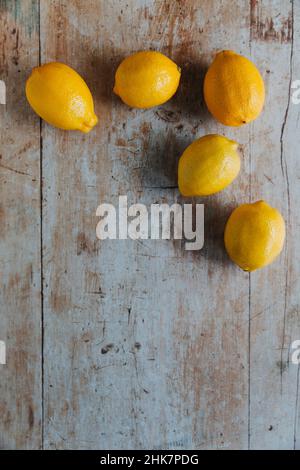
<point x="266" y="26"/>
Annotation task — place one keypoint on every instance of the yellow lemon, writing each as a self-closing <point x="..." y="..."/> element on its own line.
<point x="254" y="235"/>
<point x="234" y="90"/>
<point x="146" y="79"/>
<point x="208" y="165"/>
<point x="61" y="97"/>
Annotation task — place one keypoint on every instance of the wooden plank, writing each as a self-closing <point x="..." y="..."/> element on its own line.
<point x="145" y="344"/>
<point x="20" y="298"/>
<point x="275" y="177"/>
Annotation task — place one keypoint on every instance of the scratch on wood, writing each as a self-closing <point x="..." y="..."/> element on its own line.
<point x="284" y="170"/>
<point x="18" y="172"/>
<point x="30" y="416"/>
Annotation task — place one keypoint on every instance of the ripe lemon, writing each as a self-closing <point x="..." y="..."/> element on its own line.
<point x="254" y="235"/>
<point x="208" y="165"/>
<point x="146" y="79"/>
<point x="234" y="90"/>
<point x="61" y="97"/>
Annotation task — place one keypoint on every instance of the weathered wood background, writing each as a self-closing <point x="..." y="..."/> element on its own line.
<point x="125" y="344"/>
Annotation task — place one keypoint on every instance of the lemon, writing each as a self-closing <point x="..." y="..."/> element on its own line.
<point x="234" y="90"/>
<point x="146" y="79"/>
<point x="61" y="97"/>
<point x="254" y="235"/>
<point x="208" y="165"/>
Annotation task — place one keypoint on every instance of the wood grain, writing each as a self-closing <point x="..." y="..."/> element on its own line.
<point x="20" y="295"/>
<point x="145" y="345"/>
<point x="274" y="302"/>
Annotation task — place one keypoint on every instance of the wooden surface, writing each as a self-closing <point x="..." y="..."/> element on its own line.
<point x="124" y="344"/>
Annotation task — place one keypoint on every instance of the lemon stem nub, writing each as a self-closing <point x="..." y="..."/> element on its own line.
<point x="88" y="126"/>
